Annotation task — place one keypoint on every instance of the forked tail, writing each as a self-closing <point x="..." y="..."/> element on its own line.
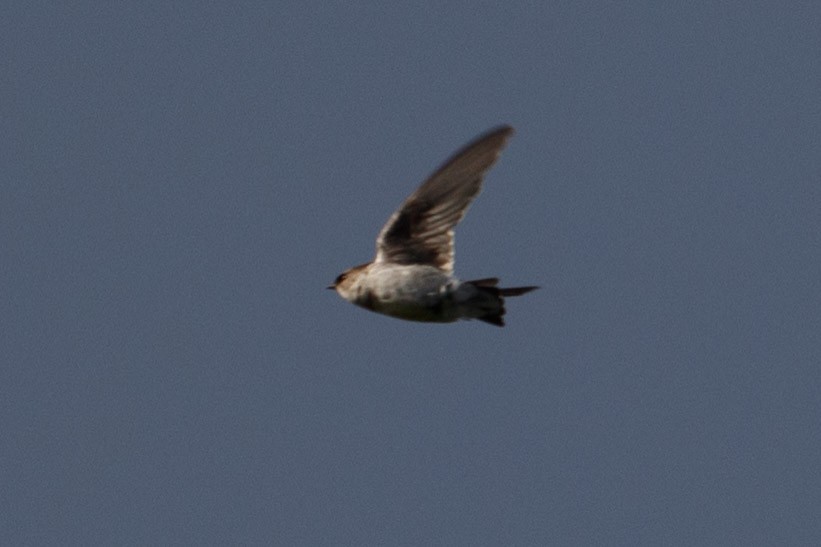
<point x="495" y="310"/>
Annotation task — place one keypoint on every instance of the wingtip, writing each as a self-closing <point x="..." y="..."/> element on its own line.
<point x="504" y="130"/>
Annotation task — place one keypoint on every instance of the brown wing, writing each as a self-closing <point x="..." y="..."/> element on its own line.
<point x="421" y="230"/>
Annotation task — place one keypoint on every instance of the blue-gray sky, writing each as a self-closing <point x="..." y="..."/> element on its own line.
<point x="181" y="182"/>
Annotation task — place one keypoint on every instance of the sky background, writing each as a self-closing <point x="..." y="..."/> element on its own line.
<point x="180" y="182"/>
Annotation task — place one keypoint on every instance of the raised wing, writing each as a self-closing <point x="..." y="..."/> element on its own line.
<point x="421" y="230"/>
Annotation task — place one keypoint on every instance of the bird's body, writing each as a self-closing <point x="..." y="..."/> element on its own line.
<point x="412" y="275"/>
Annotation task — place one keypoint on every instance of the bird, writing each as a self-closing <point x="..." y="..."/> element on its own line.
<point x="411" y="277"/>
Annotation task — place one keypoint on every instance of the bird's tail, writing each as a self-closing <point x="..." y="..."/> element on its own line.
<point x="493" y="302"/>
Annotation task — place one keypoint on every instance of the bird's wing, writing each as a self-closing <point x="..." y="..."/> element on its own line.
<point x="421" y="230"/>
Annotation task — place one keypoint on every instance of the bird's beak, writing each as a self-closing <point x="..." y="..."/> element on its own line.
<point x="332" y="287"/>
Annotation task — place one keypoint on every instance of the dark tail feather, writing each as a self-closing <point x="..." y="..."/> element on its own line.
<point x="516" y="291"/>
<point x="495" y="319"/>
<point x="488" y="286"/>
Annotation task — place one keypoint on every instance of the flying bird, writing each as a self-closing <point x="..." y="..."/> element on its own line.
<point x="411" y="276"/>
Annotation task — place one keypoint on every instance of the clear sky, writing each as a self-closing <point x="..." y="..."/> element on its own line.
<point x="181" y="181"/>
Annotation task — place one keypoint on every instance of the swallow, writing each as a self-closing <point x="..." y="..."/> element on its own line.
<point x="411" y="277"/>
